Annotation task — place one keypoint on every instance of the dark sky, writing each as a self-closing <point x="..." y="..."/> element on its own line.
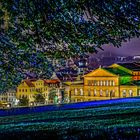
<point x="129" y="48"/>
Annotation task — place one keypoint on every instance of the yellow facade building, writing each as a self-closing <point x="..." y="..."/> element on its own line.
<point x="105" y="83"/>
<point x="29" y="87"/>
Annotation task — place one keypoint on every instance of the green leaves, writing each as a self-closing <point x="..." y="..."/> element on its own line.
<point x="61" y="29"/>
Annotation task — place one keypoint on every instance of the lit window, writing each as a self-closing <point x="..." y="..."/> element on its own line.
<point x="98" y="83"/>
<point x="107" y="83"/>
<point x="75" y="91"/>
<point x="130" y="93"/>
<point x="124" y="93"/>
<point x="81" y="92"/>
<point x="107" y="93"/>
<point x="101" y="83"/>
<point x="101" y="92"/>
<point x="89" y="92"/>
<point x="113" y="93"/>
<point x="138" y="93"/>
<point x="95" y="92"/>
<point x="110" y="83"/>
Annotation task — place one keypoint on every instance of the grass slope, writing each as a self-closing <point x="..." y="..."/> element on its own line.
<point x="118" y="120"/>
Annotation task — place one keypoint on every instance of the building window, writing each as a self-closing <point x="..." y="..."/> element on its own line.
<point x="106" y="83"/>
<point x="89" y="83"/>
<point x="110" y="83"/>
<point x="89" y="92"/>
<point x="26" y="90"/>
<point x="94" y="82"/>
<point x="107" y="93"/>
<point x="130" y="93"/>
<point x="113" y="93"/>
<point x="22" y="90"/>
<point x="95" y="92"/>
<point x="81" y="92"/>
<point x="101" y="83"/>
<point x="101" y="92"/>
<point x="124" y="93"/>
<point x="75" y="91"/>
<point x="138" y="93"/>
<point x="98" y="83"/>
<point x="113" y="83"/>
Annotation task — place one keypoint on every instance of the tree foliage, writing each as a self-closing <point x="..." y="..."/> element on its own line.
<point x="52" y="94"/>
<point x="34" y="30"/>
<point x="39" y="98"/>
<point x="24" y="101"/>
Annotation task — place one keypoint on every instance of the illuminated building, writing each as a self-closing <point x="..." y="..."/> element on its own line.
<point x="8" y="97"/>
<point x="29" y="87"/>
<point x="115" y="81"/>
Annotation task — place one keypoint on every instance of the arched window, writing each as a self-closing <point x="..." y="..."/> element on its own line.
<point x="138" y="92"/>
<point x="75" y="91"/>
<point x="81" y="92"/>
<point x="124" y="93"/>
<point x="113" y="93"/>
<point x="107" y="93"/>
<point x="95" y="92"/>
<point x="101" y="92"/>
<point x="130" y="93"/>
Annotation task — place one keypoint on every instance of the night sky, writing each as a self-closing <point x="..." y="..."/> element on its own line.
<point x="129" y="48"/>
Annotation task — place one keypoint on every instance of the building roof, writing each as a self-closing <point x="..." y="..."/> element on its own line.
<point x="132" y="66"/>
<point x="80" y="82"/>
<point x="29" y="82"/>
<point x="52" y="81"/>
<point x="117" y="71"/>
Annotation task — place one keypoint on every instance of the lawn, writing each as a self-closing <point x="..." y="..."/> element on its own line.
<point x="112" y="119"/>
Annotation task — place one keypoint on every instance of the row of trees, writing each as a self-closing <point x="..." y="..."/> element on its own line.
<point x="40" y="99"/>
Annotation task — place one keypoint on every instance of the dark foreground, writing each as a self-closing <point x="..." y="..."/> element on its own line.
<point x="111" y="120"/>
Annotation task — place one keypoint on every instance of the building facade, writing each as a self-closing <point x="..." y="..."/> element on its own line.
<point x="115" y="81"/>
<point x="8" y="97"/>
<point x="29" y="87"/>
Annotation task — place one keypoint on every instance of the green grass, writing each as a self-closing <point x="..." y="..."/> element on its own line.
<point x="113" y="121"/>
